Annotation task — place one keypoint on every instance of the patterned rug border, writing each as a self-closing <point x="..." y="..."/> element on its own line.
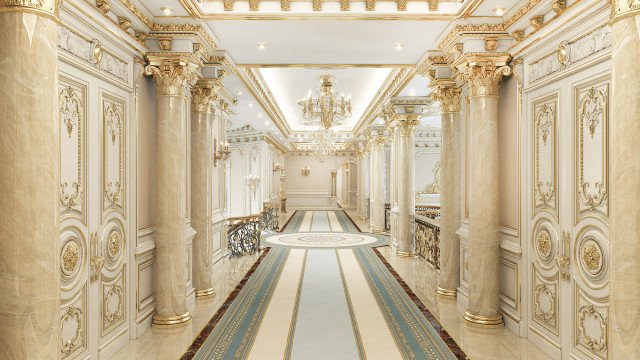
<point x="444" y="335"/>
<point x="208" y="329"/>
<point x="288" y="221"/>
<point x="350" y="219"/>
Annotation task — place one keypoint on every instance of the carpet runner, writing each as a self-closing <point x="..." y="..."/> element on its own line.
<point x="322" y="291"/>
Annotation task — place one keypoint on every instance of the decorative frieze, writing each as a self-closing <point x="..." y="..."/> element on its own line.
<point x="570" y="53"/>
<point x="74" y="44"/>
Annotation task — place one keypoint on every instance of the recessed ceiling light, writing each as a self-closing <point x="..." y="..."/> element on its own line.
<point x="261" y="46"/>
<point x="259" y="115"/>
<point x="239" y="92"/>
<point x="499" y="11"/>
<point x="398" y="46"/>
<point x="166" y="10"/>
<point x="412" y="92"/>
<point x="266" y="122"/>
<point x="250" y="104"/>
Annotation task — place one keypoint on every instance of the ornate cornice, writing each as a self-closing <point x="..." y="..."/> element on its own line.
<point x="621" y="9"/>
<point x="137" y="12"/>
<point x="47" y="8"/>
<point x="470" y="28"/>
<point x="168" y="29"/>
<point x="483" y="71"/>
<point x="172" y="72"/>
<point x="204" y="93"/>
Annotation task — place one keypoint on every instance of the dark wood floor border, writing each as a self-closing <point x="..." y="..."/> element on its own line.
<point x="288" y="221"/>
<point x="353" y="222"/>
<point x="444" y="335"/>
<point x="208" y="329"/>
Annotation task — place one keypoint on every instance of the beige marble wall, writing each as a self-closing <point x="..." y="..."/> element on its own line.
<point x="29" y="177"/>
<point x="146" y="153"/>
<point x="624" y="312"/>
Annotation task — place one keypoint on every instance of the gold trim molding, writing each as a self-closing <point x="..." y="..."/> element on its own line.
<point x="486" y="321"/>
<point x="171" y="320"/>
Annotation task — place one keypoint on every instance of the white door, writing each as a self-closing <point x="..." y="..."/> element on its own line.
<point x="568" y="275"/>
<point x="93" y="118"/>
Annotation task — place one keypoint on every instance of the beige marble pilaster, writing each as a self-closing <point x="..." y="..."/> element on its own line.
<point x="360" y="184"/>
<point x="405" y="186"/>
<point x="202" y="96"/>
<point x="377" y="183"/>
<point x="483" y="74"/>
<point x="624" y="216"/>
<point x="448" y="94"/>
<point x="29" y="178"/>
<point x="172" y="73"/>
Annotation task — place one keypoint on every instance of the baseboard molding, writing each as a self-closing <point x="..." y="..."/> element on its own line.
<point x="545" y="344"/>
<point x="110" y="348"/>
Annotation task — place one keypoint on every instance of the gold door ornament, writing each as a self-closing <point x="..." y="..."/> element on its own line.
<point x="545" y="152"/>
<point x="72" y="313"/>
<point x="564" y="261"/>
<point x="596" y="344"/>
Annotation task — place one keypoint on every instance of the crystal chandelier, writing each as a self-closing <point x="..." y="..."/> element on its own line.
<point x="322" y="145"/>
<point x="326" y="108"/>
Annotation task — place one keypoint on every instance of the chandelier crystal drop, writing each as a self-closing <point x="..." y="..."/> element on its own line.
<point x="326" y="109"/>
<point x="322" y="145"/>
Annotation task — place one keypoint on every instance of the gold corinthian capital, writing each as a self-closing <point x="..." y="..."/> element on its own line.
<point x="47" y="8"/>
<point x="172" y="72"/>
<point x="448" y="94"/>
<point x="621" y="9"/>
<point x="204" y="93"/>
<point x="483" y="71"/>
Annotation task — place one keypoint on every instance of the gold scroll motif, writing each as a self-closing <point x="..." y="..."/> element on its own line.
<point x="598" y="344"/>
<point x="545" y="116"/>
<point x="113" y="114"/>
<point x="72" y="313"/>
<point x="592" y="115"/>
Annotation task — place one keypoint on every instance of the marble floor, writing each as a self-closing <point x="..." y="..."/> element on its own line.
<point x="495" y="344"/>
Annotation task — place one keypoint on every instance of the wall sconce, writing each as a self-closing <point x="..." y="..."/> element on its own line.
<point x="252" y="182"/>
<point x="220" y="154"/>
<point x="306" y="170"/>
<point x="277" y="167"/>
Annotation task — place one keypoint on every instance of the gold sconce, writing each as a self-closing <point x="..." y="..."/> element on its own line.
<point x="221" y="154"/>
<point x="306" y="170"/>
<point x="563" y="261"/>
<point x="252" y="182"/>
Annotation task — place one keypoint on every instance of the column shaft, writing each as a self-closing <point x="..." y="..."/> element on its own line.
<point x="405" y="167"/>
<point x="29" y="176"/>
<point x="378" y="173"/>
<point x="201" y="188"/>
<point x="172" y="74"/>
<point x="624" y="217"/>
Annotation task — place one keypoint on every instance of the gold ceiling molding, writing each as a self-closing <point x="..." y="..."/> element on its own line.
<point x="325" y="66"/>
<point x="400" y="16"/>
<point x="394" y="82"/>
<point x="186" y="28"/>
<point x="478" y="29"/>
<point x="137" y="12"/>
<point x="520" y="13"/>
<point x="255" y="83"/>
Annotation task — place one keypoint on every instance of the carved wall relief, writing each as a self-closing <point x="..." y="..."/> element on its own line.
<point x="113" y="147"/>
<point x="545" y="301"/>
<point x="72" y="115"/>
<point x="591" y="325"/>
<point x="545" y="155"/>
<point x="73" y="332"/>
<point x="592" y="120"/>
<point x="113" y="303"/>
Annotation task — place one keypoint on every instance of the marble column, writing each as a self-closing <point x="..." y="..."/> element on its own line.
<point x="483" y="73"/>
<point x="360" y="183"/>
<point x="173" y="72"/>
<point x="377" y="183"/>
<point x="29" y="177"/>
<point x="405" y="169"/>
<point x="624" y="216"/>
<point x="448" y="94"/>
<point x="202" y="95"/>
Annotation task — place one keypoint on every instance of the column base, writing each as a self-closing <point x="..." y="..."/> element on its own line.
<point x="171" y="320"/>
<point x="406" y="254"/>
<point x="379" y="231"/>
<point x="446" y="292"/>
<point x="484" y="321"/>
<point x="205" y="293"/>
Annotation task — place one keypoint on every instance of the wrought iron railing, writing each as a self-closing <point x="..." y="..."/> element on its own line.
<point x="243" y="235"/>
<point x="430" y="211"/>
<point x="427" y="236"/>
<point x="244" y="232"/>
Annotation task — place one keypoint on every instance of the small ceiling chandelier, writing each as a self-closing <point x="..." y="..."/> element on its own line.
<point x="322" y="145"/>
<point x="326" y="108"/>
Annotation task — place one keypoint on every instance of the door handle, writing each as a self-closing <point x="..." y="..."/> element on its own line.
<point x="96" y="262"/>
<point x="563" y="260"/>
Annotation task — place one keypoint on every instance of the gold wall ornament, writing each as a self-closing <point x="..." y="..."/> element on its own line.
<point x="544" y="121"/>
<point x="345" y="5"/>
<point x="254" y="5"/>
<point x="563" y="54"/>
<point x="595" y="344"/>
<point x="592" y="257"/>
<point x="591" y="200"/>
<point x="96" y="262"/>
<point x="491" y="44"/>
<point x="544" y="243"/>
<point x="114" y="121"/>
<point x="518" y="34"/>
<point x="592" y="109"/>
<point x="70" y="200"/>
<point x="71" y="108"/>
<point x="401" y="5"/>
<point x="434" y="187"/>
<point x="316" y="5"/>
<point x="172" y="73"/>
<point x="545" y="197"/>
<point x="558" y="6"/>
<point x="112" y="313"/>
<point x="72" y="313"/>
<point x="113" y="245"/>
<point x="70" y="258"/>
<point x="166" y="43"/>
<point x="124" y="23"/>
<point x="47" y="8"/>
<point x="103" y="6"/>
<point x="305" y="170"/>
<point x="227" y="5"/>
<point x="537" y="21"/>
<point x="544" y="304"/>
